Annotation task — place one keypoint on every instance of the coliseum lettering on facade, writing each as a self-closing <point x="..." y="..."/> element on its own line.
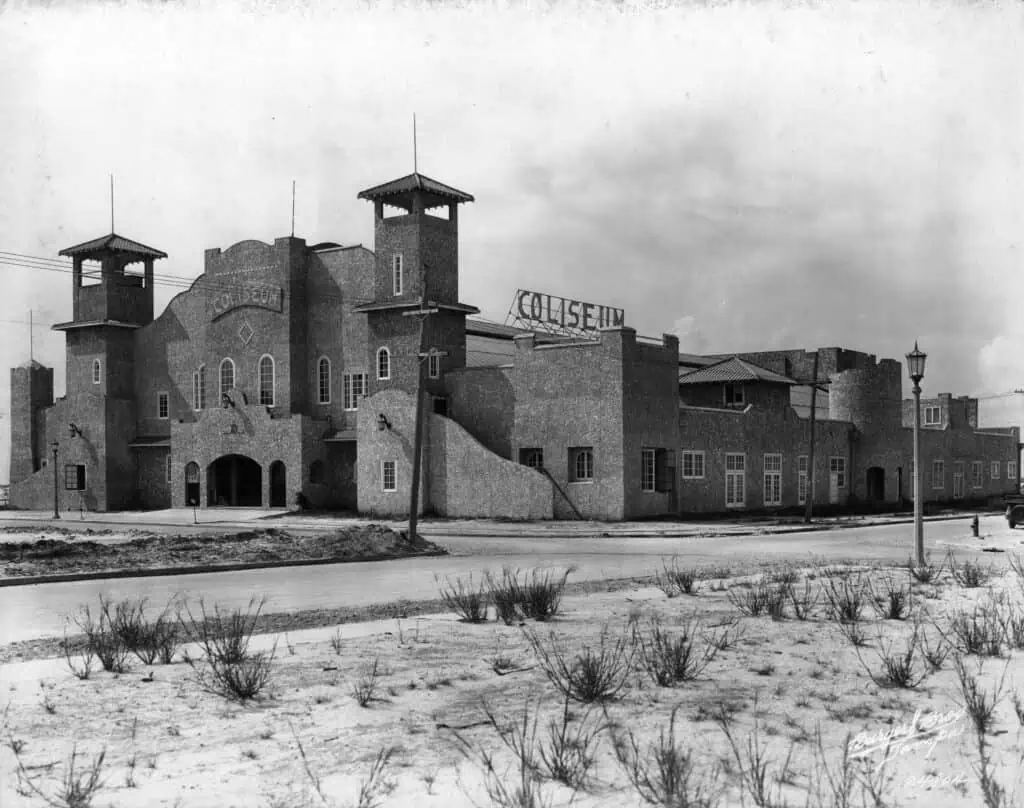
<point x="229" y="397"/>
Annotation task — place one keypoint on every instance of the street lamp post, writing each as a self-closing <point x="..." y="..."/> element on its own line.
<point x="56" y="513"/>
<point x="915" y="368"/>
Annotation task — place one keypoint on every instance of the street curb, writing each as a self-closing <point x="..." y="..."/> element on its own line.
<point x="204" y="568"/>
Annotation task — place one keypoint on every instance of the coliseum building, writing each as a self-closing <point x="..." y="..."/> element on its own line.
<point x="287" y="373"/>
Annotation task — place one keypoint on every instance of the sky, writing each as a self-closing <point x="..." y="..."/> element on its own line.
<point x="749" y="176"/>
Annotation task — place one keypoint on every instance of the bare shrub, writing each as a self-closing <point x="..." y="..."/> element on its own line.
<point x="372" y="789"/>
<point x="364" y="689"/>
<point x="673" y="580"/>
<point x="924" y="573"/>
<point x="847" y="596"/>
<point x="785" y="573"/>
<point x="751" y="599"/>
<point x="754" y="765"/>
<point x="891" y="600"/>
<point x="468" y="601"/>
<point x="79" y="656"/>
<point x="854" y="633"/>
<point x="802" y="600"/>
<point x="671" y="658"/>
<point x="935" y="654"/>
<point x="598" y="673"/>
<point x="570" y="749"/>
<point x="979" y="631"/>
<point x="979" y="703"/>
<point x="726" y="635"/>
<point x="149" y="640"/>
<point x="538" y="597"/>
<point x="337" y="645"/>
<point x="76" y="789"/>
<point x="898" y="670"/>
<point x="666" y="774"/>
<point x="227" y="667"/>
<point x="102" y="639"/>
<point x="969" y="574"/>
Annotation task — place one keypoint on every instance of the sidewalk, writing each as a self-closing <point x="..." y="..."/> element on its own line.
<point x="230" y="519"/>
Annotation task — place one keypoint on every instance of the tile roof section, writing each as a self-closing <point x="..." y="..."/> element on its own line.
<point x="415" y="182"/>
<point x="112" y="243"/>
<point x="733" y="369"/>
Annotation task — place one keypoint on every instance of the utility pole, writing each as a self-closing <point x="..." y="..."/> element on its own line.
<point x="56" y="511"/>
<point x="810" y="453"/>
<point x="423" y="312"/>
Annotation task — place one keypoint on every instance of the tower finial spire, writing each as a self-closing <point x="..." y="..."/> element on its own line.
<point x="111" y="203"/>
<point x="415" y="155"/>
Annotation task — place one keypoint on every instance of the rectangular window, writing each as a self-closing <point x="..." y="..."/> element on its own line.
<point x="581" y="464"/>
<point x="733" y="394"/>
<point x="534" y="458"/>
<point x="801" y="479"/>
<point x="837" y="466"/>
<point x="354" y="388"/>
<point x="693" y="465"/>
<point x="163" y="405"/>
<point x="398" y="274"/>
<point x="199" y="389"/>
<point x="434" y="365"/>
<point x="773" y="479"/>
<point x="1011" y="470"/>
<point x="647" y="470"/>
<point x="388" y="475"/>
<point x="167" y="471"/>
<point x="932" y="416"/>
<point x="74" y="477"/>
<point x="938" y="474"/>
<point x="977" y="473"/>
<point x="994" y="468"/>
<point x="735" y="480"/>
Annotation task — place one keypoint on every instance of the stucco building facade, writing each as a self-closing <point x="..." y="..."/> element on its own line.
<point x="287" y="374"/>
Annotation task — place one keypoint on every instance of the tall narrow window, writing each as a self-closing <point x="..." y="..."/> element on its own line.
<point x="324" y="380"/>
<point x="267" y="381"/>
<point x="801" y="479"/>
<point x="994" y="468"/>
<point x="735" y="480"/>
<point x="167" y="471"/>
<point x="1011" y="470"/>
<point x="772" y="479"/>
<point x="227" y="378"/>
<point x="95" y="371"/>
<point x="163" y="405"/>
<point x="388" y="476"/>
<point x="938" y="474"/>
<point x="383" y="364"/>
<point x="397" y="273"/>
<point x="647" y="469"/>
<point x="199" y="388"/>
<point x="976" y="474"/>
<point x="433" y="365"/>
<point x="353" y="388"/>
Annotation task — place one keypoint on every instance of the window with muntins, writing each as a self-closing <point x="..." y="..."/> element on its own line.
<point x="168" y="469"/>
<point x="95" y="371"/>
<point x="199" y="388"/>
<point x="227" y="378"/>
<point x="581" y="464"/>
<point x="353" y="388"/>
<point x="163" y="405"/>
<point x="647" y="469"/>
<point x="388" y="475"/>
<point x="932" y="416"/>
<point x="693" y="465"/>
<point x="324" y="380"/>
<point x="977" y="470"/>
<point x="837" y="466"/>
<point x="1011" y="470"/>
<point x="801" y="479"/>
<point x="383" y="364"/>
<point x="397" y="274"/>
<point x="938" y="474"/>
<point x="733" y="394"/>
<point x="267" y="381"/>
<point x="534" y="458"/>
<point x="773" y="479"/>
<point x="735" y="480"/>
<point x="995" y="469"/>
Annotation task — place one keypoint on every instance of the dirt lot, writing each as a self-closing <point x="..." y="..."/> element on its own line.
<point x="170" y="742"/>
<point x="26" y="552"/>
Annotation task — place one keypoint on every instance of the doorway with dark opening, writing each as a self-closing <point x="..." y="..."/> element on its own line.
<point x="235" y="481"/>
<point x="278" y="486"/>
<point x="876" y="484"/>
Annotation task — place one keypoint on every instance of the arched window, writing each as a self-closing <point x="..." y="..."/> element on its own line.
<point x="267" y="381"/>
<point x="95" y="371"/>
<point x="324" y="379"/>
<point x="227" y="378"/>
<point x="316" y="472"/>
<point x="383" y="364"/>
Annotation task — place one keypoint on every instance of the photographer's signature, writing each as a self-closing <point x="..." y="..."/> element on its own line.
<point x="922" y="734"/>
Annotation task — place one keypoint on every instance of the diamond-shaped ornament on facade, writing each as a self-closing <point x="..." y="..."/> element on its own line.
<point x="246" y="333"/>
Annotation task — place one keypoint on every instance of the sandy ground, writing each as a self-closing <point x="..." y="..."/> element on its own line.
<point x="170" y="743"/>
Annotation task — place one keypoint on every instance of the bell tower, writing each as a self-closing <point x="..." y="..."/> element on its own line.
<point x="417" y="266"/>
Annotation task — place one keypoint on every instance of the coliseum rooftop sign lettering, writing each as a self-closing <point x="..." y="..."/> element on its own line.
<point x="570" y="314"/>
<point x="234" y="297"/>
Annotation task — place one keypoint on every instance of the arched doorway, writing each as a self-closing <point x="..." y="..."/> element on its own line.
<point x="192" y="484"/>
<point x="235" y="481"/>
<point x="278" y="485"/>
<point x="876" y="484"/>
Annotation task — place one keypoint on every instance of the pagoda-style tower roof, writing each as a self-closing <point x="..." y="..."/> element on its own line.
<point x="99" y="248"/>
<point x="399" y="193"/>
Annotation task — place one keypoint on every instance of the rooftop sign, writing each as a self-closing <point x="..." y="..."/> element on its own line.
<point x="559" y="315"/>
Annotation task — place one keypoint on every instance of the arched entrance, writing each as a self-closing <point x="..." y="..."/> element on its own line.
<point x="234" y="480"/>
<point x="876" y="484"/>
<point x="278" y="485"/>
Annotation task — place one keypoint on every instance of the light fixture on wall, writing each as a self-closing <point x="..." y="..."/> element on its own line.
<point x="382" y="422"/>
<point x="74" y="431"/>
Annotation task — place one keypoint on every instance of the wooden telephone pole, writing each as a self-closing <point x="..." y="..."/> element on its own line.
<point x="423" y="312"/>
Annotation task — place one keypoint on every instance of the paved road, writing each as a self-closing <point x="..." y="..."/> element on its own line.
<point x="39" y="611"/>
